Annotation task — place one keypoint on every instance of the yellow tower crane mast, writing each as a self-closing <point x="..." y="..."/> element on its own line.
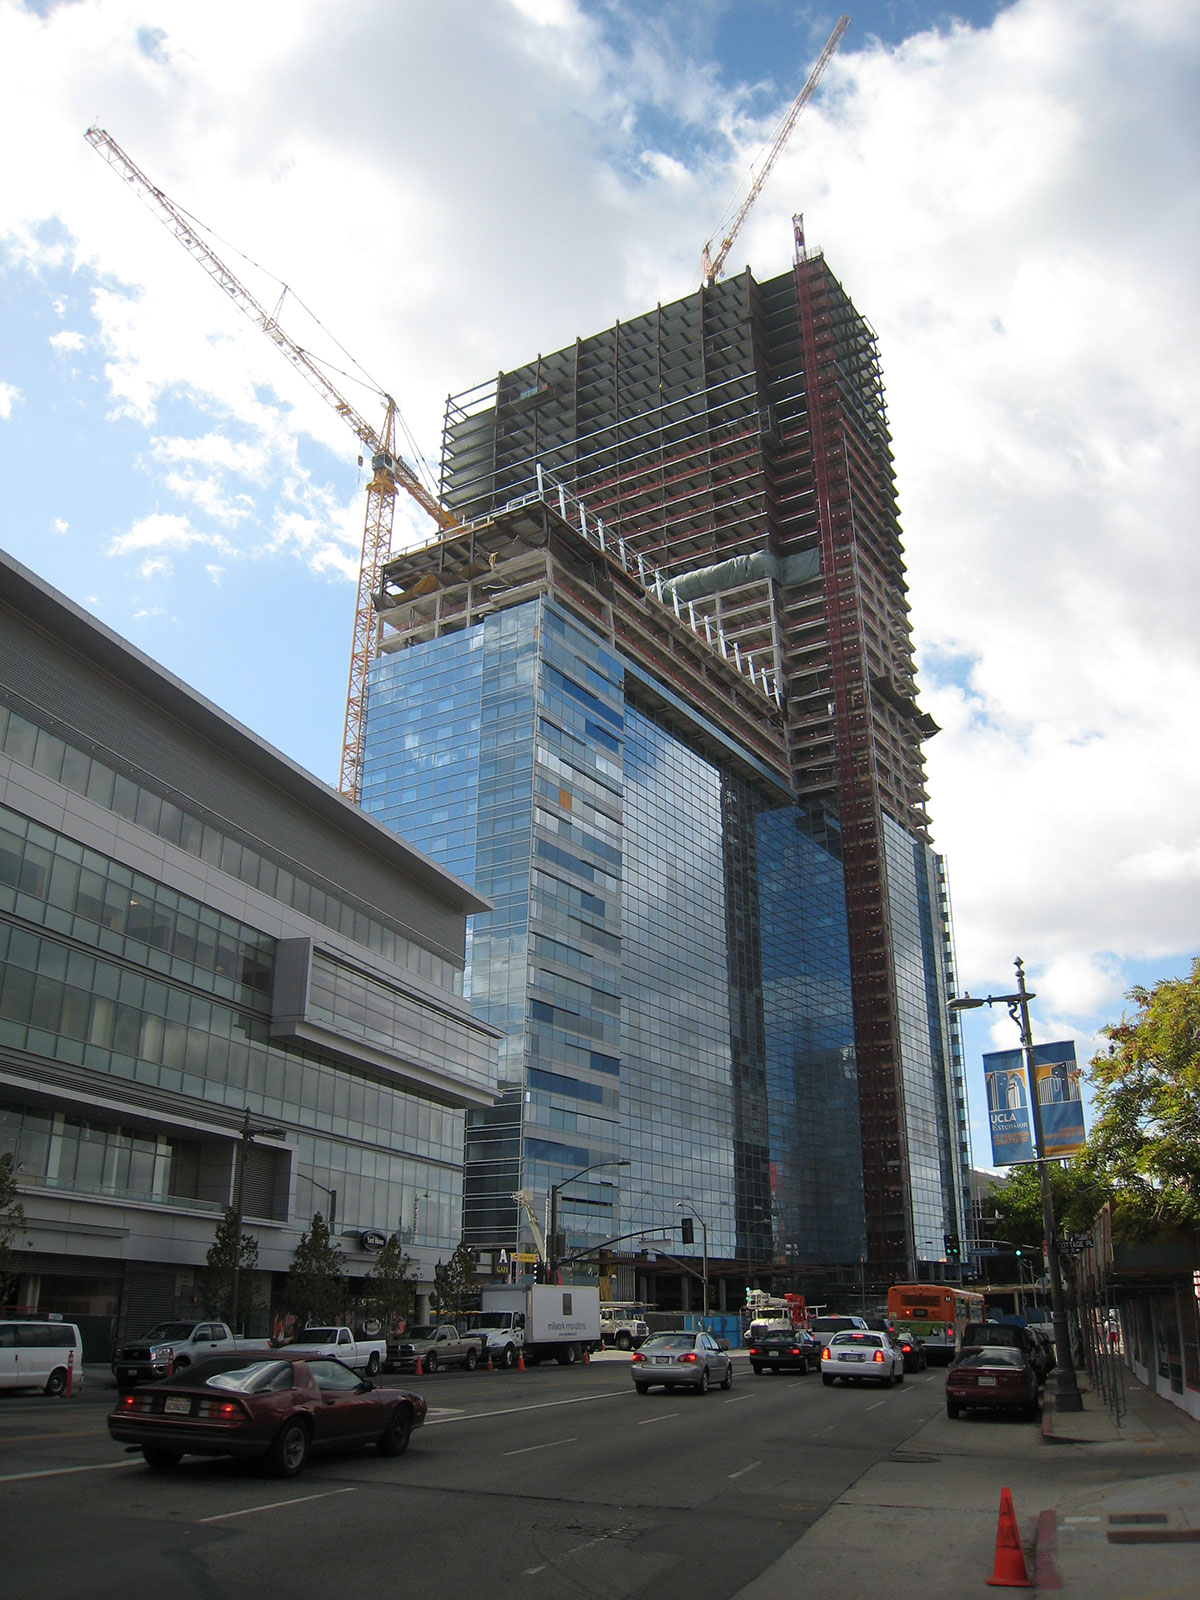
<point x="711" y="266"/>
<point x="389" y="471"/>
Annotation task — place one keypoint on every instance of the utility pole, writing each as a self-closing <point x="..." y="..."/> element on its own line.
<point x="248" y="1134"/>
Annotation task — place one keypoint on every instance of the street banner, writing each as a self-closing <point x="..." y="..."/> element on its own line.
<point x="1008" y="1107"/>
<point x="1059" y="1100"/>
<point x="1059" y="1103"/>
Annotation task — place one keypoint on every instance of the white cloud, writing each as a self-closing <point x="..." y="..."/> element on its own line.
<point x="1014" y="208"/>
<point x="67" y="341"/>
<point x="59" y="525"/>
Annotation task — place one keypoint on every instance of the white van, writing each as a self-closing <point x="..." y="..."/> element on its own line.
<point x="35" y="1355"/>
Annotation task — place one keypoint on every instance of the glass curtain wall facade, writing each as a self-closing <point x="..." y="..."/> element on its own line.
<point x="667" y="956"/>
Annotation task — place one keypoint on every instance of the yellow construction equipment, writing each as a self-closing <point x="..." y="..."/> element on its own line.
<point x="389" y="471"/>
<point x="711" y="266"/>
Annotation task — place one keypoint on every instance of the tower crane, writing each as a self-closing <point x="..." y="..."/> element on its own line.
<point x="389" y="470"/>
<point x="711" y="266"/>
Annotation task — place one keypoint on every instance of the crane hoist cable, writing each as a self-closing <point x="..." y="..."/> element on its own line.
<point x="711" y="266"/>
<point x="389" y="470"/>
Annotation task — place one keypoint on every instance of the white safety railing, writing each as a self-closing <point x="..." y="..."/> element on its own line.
<point x="572" y="510"/>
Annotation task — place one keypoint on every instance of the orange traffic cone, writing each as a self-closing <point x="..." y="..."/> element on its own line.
<point x="587" y="1356"/>
<point x="1009" y="1571"/>
<point x="520" y="1361"/>
<point x="491" y="1366"/>
<point x="419" y="1373"/>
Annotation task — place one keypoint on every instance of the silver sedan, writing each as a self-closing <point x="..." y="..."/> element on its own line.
<point x="681" y="1361"/>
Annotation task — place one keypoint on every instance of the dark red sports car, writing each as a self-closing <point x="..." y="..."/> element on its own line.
<point x="268" y="1404"/>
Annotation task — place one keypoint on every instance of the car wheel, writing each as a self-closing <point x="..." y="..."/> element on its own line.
<point x="702" y="1386"/>
<point x="160" y="1458"/>
<point x="756" y="1368"/>
<point x="181" y="1365"/>
<point x="900" y="1376"/>
<point x="290" y="1449"/>
<point x="952" y="1409"/>
<point x="372" y="1363"/>
<point x="642" y="1388"/>
<point x="727" y="1380"/>
<point x="827" y="1380"/>
<point x="430" y="1363"/>
<point x="624" y="1341"/>
<point x="509" y="1357"/>
<point x="568" y="1356"/>
<point x="394" y="1439"/>
<point x="56" y="1383"/>
<point x="470" y="1361"/>
<point x="886" y="1383"/>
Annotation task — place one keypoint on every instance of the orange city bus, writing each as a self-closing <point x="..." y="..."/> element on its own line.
<point x="936" y="1313"/>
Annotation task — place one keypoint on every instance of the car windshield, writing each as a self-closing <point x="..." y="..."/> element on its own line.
<point x="871" y="1339"/>
<point x="317" y="1335"/>
<point x="491" y="1319"/>
<point x="670" y="1341"/>
<point x="832" y="1324"/>
<point x="425" y="1331"/>
<point x="996" y="1355"/>
<point x="170" y="1330"/>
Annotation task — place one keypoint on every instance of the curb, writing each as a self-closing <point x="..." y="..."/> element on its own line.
<point x="1045" y="1551"/>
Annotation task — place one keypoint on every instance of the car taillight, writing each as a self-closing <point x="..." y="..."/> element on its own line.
<point x="638" y="1356"/>
<point x="878" y="1356"/>
<point x="218" y="1410"/>
<point x="688" y="1355"/>
<point x="906" y="1349"/>
<point x="826" y="1355"/>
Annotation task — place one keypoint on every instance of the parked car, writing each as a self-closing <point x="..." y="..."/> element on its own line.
<point x="862" y="1356"/>
<point x="995" y="1377"/>
<point x="794" y="1351"/>
<point x="435" y="1345"/>
<point x="912" y="1348"/>
<point x="979" y="1335"/>
<point x="39" y="1355"/>
<point x="681" y="1361"/>
<point x="341" y="1344"/>
<point x="272" y="1405"/>
<point x="1041" y="1352"/>
<point x="170" y="1347"/>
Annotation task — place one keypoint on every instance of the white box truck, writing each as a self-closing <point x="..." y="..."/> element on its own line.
<point x="543" y="1322"/>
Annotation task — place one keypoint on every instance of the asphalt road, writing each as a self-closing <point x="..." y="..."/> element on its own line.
<point x="552" y="1484"/>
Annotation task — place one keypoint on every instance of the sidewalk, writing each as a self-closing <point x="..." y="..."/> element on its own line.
<point x="1136" y="1537"/>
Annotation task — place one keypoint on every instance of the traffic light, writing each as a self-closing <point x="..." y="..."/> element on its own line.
<point x="950" y="1240"/>
<point x="687" y="1231"/>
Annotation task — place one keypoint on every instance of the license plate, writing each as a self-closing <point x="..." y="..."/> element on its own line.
<point x="987" y="1383"/>
<point x="854" y="1355"/>
<point x="662" y="1361"/>
<point x="176" y="1406"/>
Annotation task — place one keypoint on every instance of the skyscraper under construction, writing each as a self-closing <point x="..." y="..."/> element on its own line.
<point x="736" y="442"/>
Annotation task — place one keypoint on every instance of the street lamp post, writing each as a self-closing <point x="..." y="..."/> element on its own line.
<point x="679" y="1205"/>
<point x="249" y="1133"/>
<point x="1066" y="1389"/>
<point x="552" y="1242"/>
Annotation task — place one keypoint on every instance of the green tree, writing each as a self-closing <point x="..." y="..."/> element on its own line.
<point x="316" y="1281"/>
<point x="454" y="1283"/>
<point x="390" y="1289"/>
<point x="1079" y="1193"/>
<point x="216" y="1282"/>
<point x="1146" y="1137"/>
<point x="12" y="1218"/>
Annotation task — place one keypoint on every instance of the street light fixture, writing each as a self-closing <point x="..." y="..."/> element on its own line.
<point x="552" y="1244"/>
<point x="1066" y="1395"/>
<point x="249" y="1133"/>
<point x="679" y="1205"/>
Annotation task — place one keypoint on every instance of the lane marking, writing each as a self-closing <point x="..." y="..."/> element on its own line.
<point x="647" y="1422"/>
<point x="512" y="1411"/>
<point x="744" y="1470"/>
<point x="734" y="1398"/>
<point x="530" y="1448"/>
<point x="276" y="1505"/>
<point x="62" y="1472"/>
<point x="32" y="1438"/>
<point x="877" y="1405"/>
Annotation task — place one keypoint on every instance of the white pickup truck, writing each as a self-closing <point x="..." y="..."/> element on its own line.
<point x="168" y="1348"/>
<point x="367" y="1355"/>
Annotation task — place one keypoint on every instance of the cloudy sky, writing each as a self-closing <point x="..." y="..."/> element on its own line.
<point x="1008" y="192"/>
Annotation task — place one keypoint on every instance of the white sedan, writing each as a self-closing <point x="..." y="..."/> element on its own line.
<point x="858" y="1357"/>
